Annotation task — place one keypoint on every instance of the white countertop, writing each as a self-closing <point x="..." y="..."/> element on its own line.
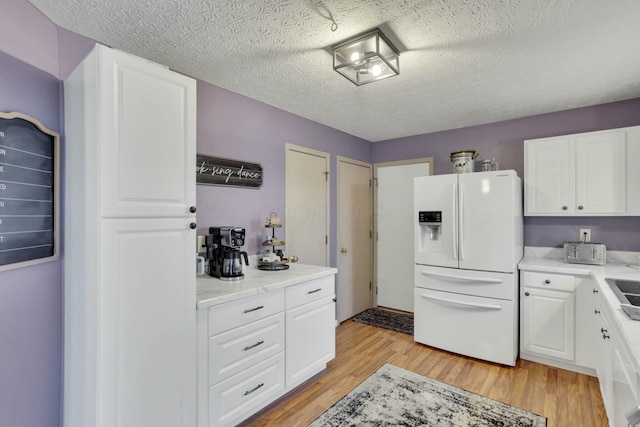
<point x="213" y="291"/>
<point x="629" y="329"/>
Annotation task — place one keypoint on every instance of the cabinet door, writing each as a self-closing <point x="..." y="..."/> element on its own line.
<point x="310" y="339"/>
<point x="146" y="132"/>
<point x="549" y="176"/>
<point x="601" y="173"/>
<point x="146" y="323"/>
<point x="604" y="357"/>
<point x="548" y="323"/>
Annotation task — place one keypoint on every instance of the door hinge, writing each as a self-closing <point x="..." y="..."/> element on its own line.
<point x="370" y="234"/>
<point x="369" y="183"/>
<point x="326" y="239"/>
<point x="369" y="285"/>
<point x="326" y="175"/>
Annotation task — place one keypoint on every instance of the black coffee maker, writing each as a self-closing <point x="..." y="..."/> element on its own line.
<point x="225" y="259"/>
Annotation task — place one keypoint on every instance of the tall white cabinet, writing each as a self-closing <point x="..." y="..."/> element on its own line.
<point x="129" y="273"/>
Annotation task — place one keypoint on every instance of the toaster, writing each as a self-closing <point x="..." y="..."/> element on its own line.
<point x="585" y="253"/>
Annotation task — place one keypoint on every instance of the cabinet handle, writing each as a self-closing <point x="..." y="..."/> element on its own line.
<point x="547" y="281"/>
<point x="193" y="225"/>
<point x="253" y="309"/>
<point x="253" y="389"/>
<point x="249" y="347"/>
<point x="564" y="208"/>
<point x="580" y="207"/>
<point x="192" y="209"/>
<point x="314" y="291"/>
<point x="595" y="291"/>
<point x="605" y="336"/>
<point x="603" y="330"/>
<point x="526" y="294"/>
<point x="596" y="311"/>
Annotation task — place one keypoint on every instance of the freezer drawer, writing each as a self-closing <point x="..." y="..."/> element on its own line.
<point x="484" y="328"/>
<point x="468" y="282"/>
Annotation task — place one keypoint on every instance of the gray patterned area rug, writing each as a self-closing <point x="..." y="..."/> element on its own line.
<point x="387" y="319"/>
<point x="393" y="396"/>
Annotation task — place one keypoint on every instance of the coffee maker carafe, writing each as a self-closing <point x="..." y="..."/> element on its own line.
<point x="225" y="259"/>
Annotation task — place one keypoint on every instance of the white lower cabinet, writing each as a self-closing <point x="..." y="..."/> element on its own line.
<point x="234" y="399"/>
<point x="253" y="350"/>
<point x="547" y="322"/>
<point x="311" y="336"/>
<point x="619" y="381"/>
<point x="555" y="320"/>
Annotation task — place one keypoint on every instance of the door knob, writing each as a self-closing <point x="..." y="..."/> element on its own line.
<point x="343" y="250"/>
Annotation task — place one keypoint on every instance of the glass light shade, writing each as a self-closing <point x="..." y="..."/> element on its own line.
<point x="366" y="58"/>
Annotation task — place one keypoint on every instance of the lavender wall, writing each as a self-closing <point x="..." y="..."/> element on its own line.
<point x="233" y="126"/>
<point x="30" y="297"/>
<point x="504" y="141"/>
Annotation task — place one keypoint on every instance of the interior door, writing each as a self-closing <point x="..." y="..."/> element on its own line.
<point x="355" y="229"/>
<point x="307" y="205"/>
<point x="394" y="233"/>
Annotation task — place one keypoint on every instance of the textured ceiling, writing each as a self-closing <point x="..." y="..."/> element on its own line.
<point x="462" y="62"/>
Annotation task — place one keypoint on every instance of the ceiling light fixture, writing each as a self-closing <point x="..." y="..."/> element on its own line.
<point x="366" y="58"/>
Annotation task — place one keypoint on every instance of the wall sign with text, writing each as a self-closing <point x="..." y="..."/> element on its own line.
<point x="29" y="191"/>
<point x="219" y="171"/>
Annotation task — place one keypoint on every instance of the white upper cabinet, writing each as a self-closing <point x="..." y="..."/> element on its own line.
<point x="601" y="172"/>
<point x="147" y="137"/>
<point x="589" y="174"/>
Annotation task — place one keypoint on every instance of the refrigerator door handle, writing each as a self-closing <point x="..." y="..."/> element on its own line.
<point x="464" y="303"/>
<point x="455" y="222"/>
<point x="461" y="220"/>
<point x="465" y="278"/>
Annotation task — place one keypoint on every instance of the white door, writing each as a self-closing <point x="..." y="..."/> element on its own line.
<point x="489" y="221"/>
<point x="394" y="233"/>
<point x="549" y="176"/>
<point x="436" y="246"/>
<point x="307" y="205"/>
<point x="548" y="322"/>
<point x="146" y="324"/>
<point x="601" y="173"/>
<point x="148" y="141"/>
<point x="354" y="239"/>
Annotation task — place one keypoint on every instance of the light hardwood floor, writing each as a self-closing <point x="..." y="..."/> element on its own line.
<point x="566" y="398"/>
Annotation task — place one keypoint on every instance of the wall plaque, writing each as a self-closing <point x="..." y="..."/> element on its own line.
<point x="29" y="182"/>
<point x="220" y="171"/>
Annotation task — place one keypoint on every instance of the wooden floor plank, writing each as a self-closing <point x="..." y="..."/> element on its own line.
<point x="566" y="398"/>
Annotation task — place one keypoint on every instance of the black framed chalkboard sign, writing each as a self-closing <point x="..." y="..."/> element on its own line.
<point x="29" y="191"/>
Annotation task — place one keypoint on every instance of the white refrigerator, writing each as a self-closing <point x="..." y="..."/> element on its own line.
<point x="467" y="245"/>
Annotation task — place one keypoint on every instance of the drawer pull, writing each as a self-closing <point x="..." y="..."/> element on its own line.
<point x="314" y="291"/>
<point x="595" y="291"/>
<point x="253" y="389"/>
<point x="547" y="281"/>
<point x="249" y="347"/>
<point x="260" y="307"/>
<point x="603" y="330"/>
<point x="605" y="336"/>
<point x="596" y="311"/>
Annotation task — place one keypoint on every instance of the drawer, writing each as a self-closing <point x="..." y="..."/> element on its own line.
<point x="234" y="351"/>
<point x="559" y="282"/>
<point x="242" y="395"/>
<point x="231" y="315"/>
<point x="312" y="290"/>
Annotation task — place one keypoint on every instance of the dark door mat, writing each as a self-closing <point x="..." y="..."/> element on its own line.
<point x="399" y="322"/>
